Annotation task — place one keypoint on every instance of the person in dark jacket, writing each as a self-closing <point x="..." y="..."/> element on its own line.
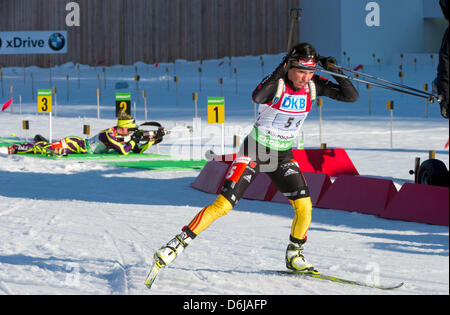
<point x="442" y="69"/>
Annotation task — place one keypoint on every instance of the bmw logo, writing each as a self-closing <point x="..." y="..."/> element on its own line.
<point x="56" y="41"/>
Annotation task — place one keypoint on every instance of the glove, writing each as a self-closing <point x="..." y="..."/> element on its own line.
<point x="328" y="63"/>
<point x="137" y="137"/>
<point x="283" y="67"/>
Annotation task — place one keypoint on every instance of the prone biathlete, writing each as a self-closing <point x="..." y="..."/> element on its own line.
<point x="285" y="97"/>
<point x="118" y="138"/>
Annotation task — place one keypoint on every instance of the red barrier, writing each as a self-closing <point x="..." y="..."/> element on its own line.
<point x="211" y="177"/>
<point x="258" y="188"/>
<point x="329" y="161"/>
<point x="414" y="202"/>
<point x="356" y="193"/>
<point x="419" y="203"/>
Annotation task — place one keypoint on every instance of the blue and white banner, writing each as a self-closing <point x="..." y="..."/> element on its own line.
<point x="33" y="42"/>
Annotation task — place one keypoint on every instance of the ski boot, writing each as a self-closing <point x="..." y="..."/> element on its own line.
<point x="295" y="260"/>
<point x="166" y="254"/>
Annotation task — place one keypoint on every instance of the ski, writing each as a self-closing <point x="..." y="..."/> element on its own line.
<point x="154" y="271"/>
<point x="338" y="280"/>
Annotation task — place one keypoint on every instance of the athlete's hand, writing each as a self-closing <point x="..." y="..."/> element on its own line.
<point x="137" y="137"/>
<point x="328" y="63"/>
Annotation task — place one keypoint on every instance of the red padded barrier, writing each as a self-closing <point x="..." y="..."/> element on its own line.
<point x="356" y="193"/>
<point x="414" y="202"/>
<point x="258" y="188"/>
<point x="328" y="161"/>
<point x="419" y="203"/>
<point x="211" y="177"/>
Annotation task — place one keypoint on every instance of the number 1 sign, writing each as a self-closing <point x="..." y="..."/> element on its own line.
<point x="216" y="115"/>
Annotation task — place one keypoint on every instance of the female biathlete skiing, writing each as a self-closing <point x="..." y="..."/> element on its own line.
<point x="285" y="98"/>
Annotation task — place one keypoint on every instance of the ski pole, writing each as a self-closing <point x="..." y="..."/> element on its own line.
<point x="384" y="81"/>
<point x="296" y="15"/>
<point x="430" y="97"/>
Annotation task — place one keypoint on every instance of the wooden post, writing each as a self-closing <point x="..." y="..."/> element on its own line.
<point x="262" y="65"/>
<point x="175" y="79"/>
<point x="98" y="103"/>
<point x="390" y="107"/>
<point x="99" y="77"/>
<point x="425" y="88"/>
<point x="236" y="142"/>
<point x="87" y="130"/>
<point x="432" y="154"/>
<point x="220" y="84"/>
<point x="55" y="102"/>
<point x="236" y="77"/>
<point x="144" y="96"/>
<point x="195" y="98"/>
<point x="26" y="127"/>
<point x="199" y="78"/>
<point x="11" y="89"/>
<point x="137" y="78"/>
<point x="104" y="78"/>
<point x="369" y="99"/>
<point x="320" y="104"/>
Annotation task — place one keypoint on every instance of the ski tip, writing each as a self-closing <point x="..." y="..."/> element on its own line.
<point x="396" y="286"/>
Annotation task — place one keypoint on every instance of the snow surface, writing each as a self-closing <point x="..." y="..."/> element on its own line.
<point x="69" y="227"/>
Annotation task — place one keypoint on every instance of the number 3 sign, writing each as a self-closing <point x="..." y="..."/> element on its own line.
<point x="44" y="101"/>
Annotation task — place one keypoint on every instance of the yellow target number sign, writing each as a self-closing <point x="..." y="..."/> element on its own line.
<point x="123" y="103"/>
<point x="44" y="101"/>
<point x="216" y="110"/>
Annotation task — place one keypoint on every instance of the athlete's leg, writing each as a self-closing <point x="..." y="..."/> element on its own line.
<point x="290" y="181"/>
<point x="241" y="173"/>
<point x="75" y="145"/>
<point x="239" y="176"/>
<point x="40" y="147"/>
